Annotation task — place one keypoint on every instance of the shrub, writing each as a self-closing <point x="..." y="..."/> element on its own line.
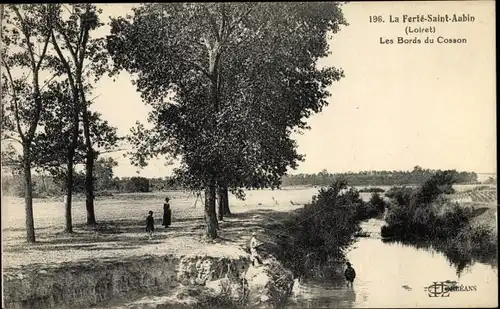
<point x="401" y="195"/>
<point x="439" y="220"/>
<point x="472" y="242"/>
<point x="378" y="202"/>
<point x="322" y="231"/>
<point x="424" y="213"/>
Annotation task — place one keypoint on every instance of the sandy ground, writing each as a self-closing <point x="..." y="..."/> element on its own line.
<point x="121" y="228"/>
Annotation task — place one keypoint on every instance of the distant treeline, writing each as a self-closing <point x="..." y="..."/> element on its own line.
<point x="45" y="186"/>
<point x="375" y="178"/>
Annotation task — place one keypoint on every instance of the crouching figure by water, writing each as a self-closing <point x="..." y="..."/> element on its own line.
<point x="349" y="274"/>
<point x="254" y="255"/>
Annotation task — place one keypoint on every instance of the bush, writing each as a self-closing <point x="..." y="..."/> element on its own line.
<point x="424" y="214"/>
<point x="472" y="242"/>
<point x="439" y="220"/>
<point x="322" y="231"/>
<point x="401" y="195"/>
<point x="378" y="202"/>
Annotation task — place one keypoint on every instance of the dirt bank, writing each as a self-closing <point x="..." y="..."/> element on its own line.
<point x="84" y="284"/>
<point x="212" y="273"/>
<point x="94" y="282"/>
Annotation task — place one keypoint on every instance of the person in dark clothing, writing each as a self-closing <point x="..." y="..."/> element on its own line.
<point x="150" y="224"/>
<point x="167" y="213"/>
<point x="349" y="274"/>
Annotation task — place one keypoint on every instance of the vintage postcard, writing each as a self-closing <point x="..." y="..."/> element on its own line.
<point x="249" y="155"/>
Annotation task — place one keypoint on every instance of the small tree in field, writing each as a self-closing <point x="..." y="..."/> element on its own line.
<point x="103" y="173"/>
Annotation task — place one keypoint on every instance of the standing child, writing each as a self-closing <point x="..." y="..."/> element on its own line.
<point x="349" y="274"/>
<point x="150" y="224"/>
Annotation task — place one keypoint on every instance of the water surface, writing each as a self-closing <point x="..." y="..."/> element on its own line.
<point x="396" y="275"/>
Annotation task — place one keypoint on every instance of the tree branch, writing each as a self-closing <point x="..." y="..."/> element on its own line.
<point x="80" y="37"/>
<point x="14" y="100"/>
<point x="116" y="150"/>
<point x="95" y="97"/>
<point x="69" y="11"/>
<point x="86" y="66"/>
<point x="43" y="53"/>
<point x="10" y="137"/>
<point x="223" y="24"/>
<point x="83" y="50"/>
<point x="213" y="23"/>
<point x="28" y="42"/>
<point x="74" y="90"/>
<point x="82" y="41"/>
<point x="47" y="82"/>
<point x="67" y="41"/>
<point x="64" y="61"/>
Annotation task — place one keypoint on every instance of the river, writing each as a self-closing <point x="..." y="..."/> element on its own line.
<point x="396" y="275"/>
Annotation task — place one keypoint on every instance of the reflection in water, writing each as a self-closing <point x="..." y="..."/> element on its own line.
<point x="323" y="295"/>
<point x="393" y="274"/>
<point x="459" y="260"/>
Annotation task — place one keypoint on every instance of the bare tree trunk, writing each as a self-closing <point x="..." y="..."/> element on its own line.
<point x="210" y="216"/>
<point x="226" y="210"/>
<point x="89" y="185"/>
<point x="69" y="196"/>
<point x="90" y="154"/>
<point x="220" y="205"/>
<point x="28" y="197"/>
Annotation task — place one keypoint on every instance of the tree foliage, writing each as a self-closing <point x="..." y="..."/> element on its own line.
<point x="266" y="84"/>
<point x="228" y="84"/>
<point x="423" y="212"/>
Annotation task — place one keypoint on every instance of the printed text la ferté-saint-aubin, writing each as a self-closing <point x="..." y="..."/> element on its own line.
<point x="417" y="29"/>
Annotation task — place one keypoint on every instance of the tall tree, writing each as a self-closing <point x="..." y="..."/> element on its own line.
<point x="241" y="78"/>
<point x="24" y="27"/>
<point x="74" y="33"/>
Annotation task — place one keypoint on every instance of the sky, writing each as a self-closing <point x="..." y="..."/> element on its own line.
<point x="399" y="105"/>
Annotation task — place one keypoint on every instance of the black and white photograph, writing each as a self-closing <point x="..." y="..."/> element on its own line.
<point x="224" y="155"/>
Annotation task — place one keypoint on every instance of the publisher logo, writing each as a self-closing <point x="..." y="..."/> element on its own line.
<point x="444" y="288"/>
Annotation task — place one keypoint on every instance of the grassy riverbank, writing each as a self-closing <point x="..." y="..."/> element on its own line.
<point x="464" y="231"/>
